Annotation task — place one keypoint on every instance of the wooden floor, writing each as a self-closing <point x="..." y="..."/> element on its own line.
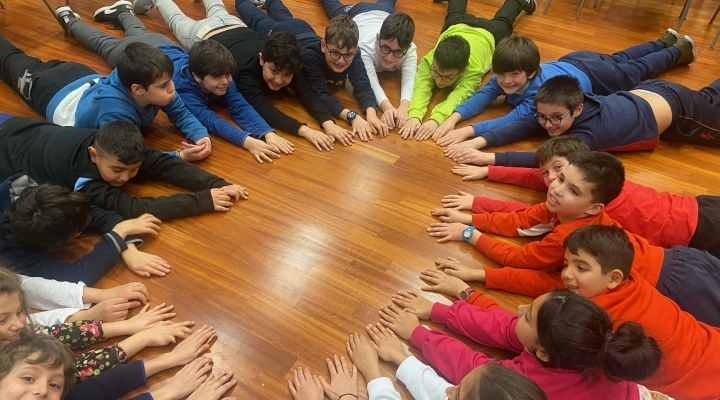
<point x="326" y="237"/>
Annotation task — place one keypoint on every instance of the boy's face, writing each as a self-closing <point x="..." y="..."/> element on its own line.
<point x="570" y="196"/>
<point x="160" y="93"/>
<point x="12" y="319"/>
<point x="114" y="172"/>
<point x="337" y="58"/>
<point x="557" y="119"/>
<point x="513" y="81"/>
<point x="444" y="78"/>
<point x="275" y="78"/>
<point x="215" y="84"/>
<point x="552" y="168"/>
<point x="526" y="328"/>
<point x="33" y="381"/>
<point x="583" y="275"/>
<point x="389" y="52"/>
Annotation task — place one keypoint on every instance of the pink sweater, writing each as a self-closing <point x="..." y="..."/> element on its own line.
<point x="496" y="328"/>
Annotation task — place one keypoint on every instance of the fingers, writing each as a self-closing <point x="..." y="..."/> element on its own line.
<point x="331" y="368"/>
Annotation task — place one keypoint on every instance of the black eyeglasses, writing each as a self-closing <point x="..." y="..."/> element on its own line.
<point x="335" y="55"/>
<point x="445" y="78"/>
<point x="553" y="120"/>
<point x="385" y="49"/>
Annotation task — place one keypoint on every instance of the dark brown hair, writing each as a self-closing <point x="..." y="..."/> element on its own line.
<point x="143" y="64"/>
<point x="343" y="32"/>
<point x="453" y="52"/>
<point x="122" y="140"/>
<point x="499" y="383"/>
<point x="283" y="50"/>
<point x="562" y="90"/>
<point x="38" y="349"/>
<point x="210" y="58"/>
<point x="577" y="335"/>
<point x="603" y="170"/>
<point x="560" y="146"/>
<point x="516" y="53"/>
<point x="608" y="245"/>
<point x="398" y="26"/>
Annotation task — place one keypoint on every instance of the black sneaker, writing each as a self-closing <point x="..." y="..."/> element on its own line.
<point x="110" y="13"/>
<point x="670" y="37"/>
<point x="141" y="7"/>
<point x="529" y="6"/>
<point x="688" y="51"/>
<point x="65" y="16"/>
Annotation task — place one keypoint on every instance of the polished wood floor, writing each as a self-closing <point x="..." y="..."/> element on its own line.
<point x="326" y="237"/>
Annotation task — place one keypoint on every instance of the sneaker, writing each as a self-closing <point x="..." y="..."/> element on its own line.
<point x="529" y="6"/>
<point x="140" y="7"/>
<point x="110" y="13"/>
<point x="688" y="50"/>
<point x="670" y="37"/>
<point x="64" y="16"/>
<point x="258" y="3"/>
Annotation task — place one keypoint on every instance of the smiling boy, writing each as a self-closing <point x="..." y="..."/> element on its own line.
<point x="652" y="110"/>
<point x="330" y="61"/>
<point x="98" y="162"/>
<point x="518" y="74"/>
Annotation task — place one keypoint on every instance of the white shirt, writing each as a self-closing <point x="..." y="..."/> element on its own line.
<point x="420" y="379"/>
<point x="58" y="300"/>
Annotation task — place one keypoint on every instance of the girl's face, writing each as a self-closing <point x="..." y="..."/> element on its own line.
<point x="32" y="381"/>
<point x="467" y="385"/>
<point x="526" y="328"/>
<point x="12" y="318"/>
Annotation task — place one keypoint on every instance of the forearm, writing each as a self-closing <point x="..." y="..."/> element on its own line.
<point x="159" y="364"/>
<point x="134" y="344"/>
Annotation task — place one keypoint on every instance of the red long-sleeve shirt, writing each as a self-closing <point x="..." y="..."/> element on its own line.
<point x="664" y="219"/>
<point x="496" y="328"/>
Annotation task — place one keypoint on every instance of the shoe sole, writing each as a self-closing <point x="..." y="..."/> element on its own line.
<point x="102" y="10"/>
<point x="694" y="47"/>
<point x="140" y="11"/>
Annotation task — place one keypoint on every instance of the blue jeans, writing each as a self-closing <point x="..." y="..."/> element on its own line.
<point x="278" y="18"/>
<point x="691" y="278"/>
<point x="333" y="8"/>
<point x="610" y="73"/>
<point x="694" y="113"/>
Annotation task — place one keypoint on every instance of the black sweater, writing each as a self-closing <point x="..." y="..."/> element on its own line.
<point x="59" y="155"/>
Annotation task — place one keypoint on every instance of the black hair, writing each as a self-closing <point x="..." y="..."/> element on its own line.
<point x="608" y="245"/>
<point x="398" y="26"/>
<point x="516" y="53"/>
<point x="122" y="140"/>
<point x="453" y="52"/>
<point x="39" y="349"/>
<point x="209" y="57"/>
<point x="603" y="170"/>
<point x="577" y="334"/>
<point x="45" y="216"/>
<point x="283" y="50"/>
<point x="500" y="383"/>
<point x="343" y="32"/>
<point x="143" y="64"/>
<point x="562" y="90"/>
<point x="560" y="146"/>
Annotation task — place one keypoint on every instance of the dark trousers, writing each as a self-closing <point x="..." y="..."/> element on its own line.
<point x="110" y="48"/>
<point x="34" y="80"/>
<point x="691" y="278"/>
<point x="278" y="18"/>
<point x="610" y="73"/>
<point x="334" y="8"/>
<point x="707" y="231"/>
<point x="696" y="114"/>
<point x="500" y="26"/>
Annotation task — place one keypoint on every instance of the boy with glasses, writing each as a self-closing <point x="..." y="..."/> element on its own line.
<point x="332" y="60"/>
<point x="632" y="120"/>
<point x="385" y="43"/>
<point x="460" y="59"/>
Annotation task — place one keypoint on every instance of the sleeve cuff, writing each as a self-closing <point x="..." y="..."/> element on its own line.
<point x="117" y="241"/>
<point x="418" y="336"/>
<point x="379" y="385"/>
<point x="438" y="313"/>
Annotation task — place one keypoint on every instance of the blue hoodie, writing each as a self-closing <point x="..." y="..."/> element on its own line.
<point x="197" y="102"/>
<point x="106" y="99"/>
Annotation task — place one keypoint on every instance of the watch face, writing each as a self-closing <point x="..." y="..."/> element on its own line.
<point x="467" y="234"/>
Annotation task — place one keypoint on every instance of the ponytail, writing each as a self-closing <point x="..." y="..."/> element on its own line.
<point x="577" y="335"/>
<point x="630" y="354"/>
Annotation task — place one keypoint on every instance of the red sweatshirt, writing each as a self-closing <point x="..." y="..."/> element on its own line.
<point x="496" y="328"/>
<point x="664" y="219"/>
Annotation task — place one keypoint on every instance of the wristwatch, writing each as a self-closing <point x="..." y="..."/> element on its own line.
<point x="350" y="117"/>
<point x="467" y="233"/>
<point x="465" y="294"/>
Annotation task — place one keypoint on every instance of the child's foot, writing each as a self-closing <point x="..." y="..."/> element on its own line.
<point x="670" y="37"/>
<point x="258" y="3"/>
<point x="140" y="7"/>
<point x="65" y="16"/>
<point x="529" y="6"/>
<point x="688" y="50"/>
<point x="110" y="13"/>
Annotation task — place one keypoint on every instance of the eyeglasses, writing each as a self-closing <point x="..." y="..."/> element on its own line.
<point x="335" y="55"/>
<point x="445" y="78"/>
<point x="553" y="120"/>
<point x="385" y="49"/>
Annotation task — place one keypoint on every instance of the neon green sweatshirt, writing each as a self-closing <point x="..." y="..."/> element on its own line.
<point x="482" y="46"/>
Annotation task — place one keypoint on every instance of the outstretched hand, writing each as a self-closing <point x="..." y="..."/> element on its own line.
<point x="411" y="126"/>
<point x="343" y="379"/>
<point x="146" y="224"/>
<point x="460" y="201"/>
<point x="439" y="281"/>
<point x="144" y="264"/>
<point x="414" y="303"/>
<point x="262" y="151"/>
<point x="451" y="215"/>
<point x="401" y="322"/>
<point x="388" y="347"/>
<point x="454" y="268"/>
<point x="363" y="353"/>
<point x="305" y="386"/>
<point x="470" y="172"/>
<point x="447" y="231"/>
